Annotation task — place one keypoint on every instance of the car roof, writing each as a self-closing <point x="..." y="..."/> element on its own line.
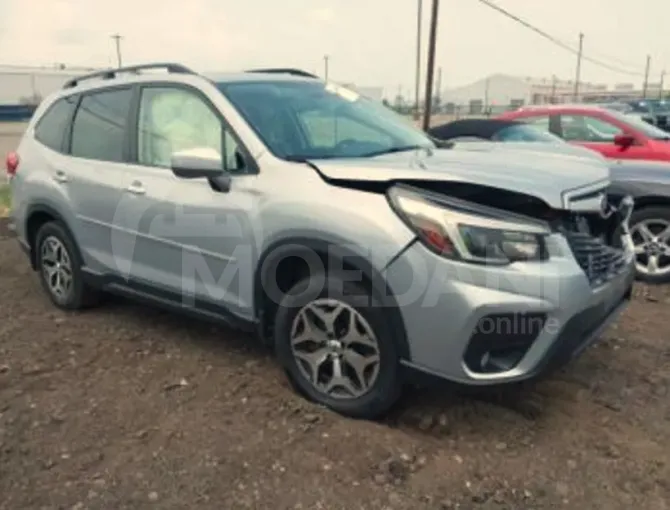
<point x="177" y="73"/>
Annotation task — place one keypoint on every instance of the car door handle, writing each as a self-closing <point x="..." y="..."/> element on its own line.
<point x="60" y="177"/>
<point x="136" y="188"/>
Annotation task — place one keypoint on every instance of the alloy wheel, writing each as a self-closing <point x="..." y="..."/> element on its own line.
<point x="335" y="349"/>
<point x="57" y="268"/>
<point x="652" y="246"/>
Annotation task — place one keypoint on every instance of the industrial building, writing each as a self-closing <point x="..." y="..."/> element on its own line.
<point x="28" y="85"/>
<point x="501" y="92"/>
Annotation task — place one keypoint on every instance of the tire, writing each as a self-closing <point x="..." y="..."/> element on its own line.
<point x="657" y="215"/>
<point x="78" y="294"/>
<point x="298" y="303"/>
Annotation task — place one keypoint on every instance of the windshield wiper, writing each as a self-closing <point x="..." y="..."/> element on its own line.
<point x="393" y="150"/>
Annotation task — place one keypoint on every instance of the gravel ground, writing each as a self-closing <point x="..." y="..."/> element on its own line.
<point x="126" y="407"/>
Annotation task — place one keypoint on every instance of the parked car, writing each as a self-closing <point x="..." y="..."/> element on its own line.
<point x="616" y="106"/>
<point x="647" y="181"/>
<point x="322" y="221"/>
<point x="628" y="110"/>
<point x="615" y="135"/>
<point x="653" y="111"/>
<point x="518" y="133"/>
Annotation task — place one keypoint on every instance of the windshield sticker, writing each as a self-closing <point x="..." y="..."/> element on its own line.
<point x="343" y="92"/>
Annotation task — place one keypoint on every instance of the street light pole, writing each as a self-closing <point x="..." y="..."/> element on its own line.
<point x="553" y="89"/>
<point x="579" y="67"/>
<point x="417" y="84"/>
<point x="430" y="71"/>
<point x="117" y="39"/>
<point x="660" y="88"/>
<point x="325" y="66"/>
<point x="646" y="78"/>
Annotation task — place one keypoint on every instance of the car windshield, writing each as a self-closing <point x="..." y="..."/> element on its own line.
<point x="525" y="133"/>
<point x="299" y="120"/>
<point x="642" y="126"/>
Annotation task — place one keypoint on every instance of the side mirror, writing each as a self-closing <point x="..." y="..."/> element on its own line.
<point x="197" y="164"/>
<point x="624" y="140"/>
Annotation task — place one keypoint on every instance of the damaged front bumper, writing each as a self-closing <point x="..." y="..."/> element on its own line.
<point x="484" y="325"/>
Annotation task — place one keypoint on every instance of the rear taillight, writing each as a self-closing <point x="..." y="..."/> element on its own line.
<point x="12" y="163"/>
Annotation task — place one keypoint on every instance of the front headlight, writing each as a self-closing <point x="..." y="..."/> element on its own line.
<point x="465" y="231"/>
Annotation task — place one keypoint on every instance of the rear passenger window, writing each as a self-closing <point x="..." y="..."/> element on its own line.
<point x="53" y="124"/>
<point x="99" y="125"/>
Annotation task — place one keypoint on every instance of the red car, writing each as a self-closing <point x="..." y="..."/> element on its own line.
<point x="613" y="134"/>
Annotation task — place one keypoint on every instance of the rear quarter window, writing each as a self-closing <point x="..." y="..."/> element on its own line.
<point x="52" y="126"/>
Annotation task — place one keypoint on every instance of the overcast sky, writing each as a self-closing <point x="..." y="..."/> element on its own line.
<point x="370" y="42"/>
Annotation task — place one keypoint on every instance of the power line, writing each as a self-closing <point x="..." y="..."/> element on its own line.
<point x="557" y="41"/>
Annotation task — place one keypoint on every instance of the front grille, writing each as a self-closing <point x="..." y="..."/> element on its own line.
<point x="599" y="261"/>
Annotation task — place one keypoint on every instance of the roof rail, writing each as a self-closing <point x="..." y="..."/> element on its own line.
<point x="284" y="70"/>
<point x="109" y="74"/>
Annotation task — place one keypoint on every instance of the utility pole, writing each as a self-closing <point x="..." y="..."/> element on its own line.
<point x="417" y="78"/>
<point x="117" y="39"/>
<point x="326" y="58"/>
<point x="646" y="77"/>
<point x="579" y="67"/>
<point x="553" y="89"/>
<point x="430" y="71"/>
<point x="660" y="88"/>
<point x="438" y="87"/>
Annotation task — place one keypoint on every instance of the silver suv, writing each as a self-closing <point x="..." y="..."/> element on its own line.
<point x="320" y="220"/>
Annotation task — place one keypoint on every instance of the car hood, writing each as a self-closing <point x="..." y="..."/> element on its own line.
<point x="550" y="176"/>
<point x="553" y="148"/>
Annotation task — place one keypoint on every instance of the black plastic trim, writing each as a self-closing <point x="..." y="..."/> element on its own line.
<point x="151" y="294"/>
<point x="30" y="211"/>
<point x="288" y="247"/>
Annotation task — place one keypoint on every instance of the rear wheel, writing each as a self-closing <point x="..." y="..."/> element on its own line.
<point x="650" y="230"/>
<point x="59" y="265"/>
<point x="336" y="347"/>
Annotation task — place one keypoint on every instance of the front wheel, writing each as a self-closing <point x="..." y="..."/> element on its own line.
<point x="334" y="342"/>
<point x="650" y="230"/>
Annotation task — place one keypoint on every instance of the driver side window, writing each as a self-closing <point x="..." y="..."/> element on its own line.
<point x="173" y="119"/>
<point x="327" y="131"/>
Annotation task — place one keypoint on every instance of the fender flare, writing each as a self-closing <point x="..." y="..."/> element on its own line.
<point x="298" y="246"/>
<point x="37" y="208"/>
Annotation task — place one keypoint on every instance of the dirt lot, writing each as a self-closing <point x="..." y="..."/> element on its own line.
<point x="126" y="407"/>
